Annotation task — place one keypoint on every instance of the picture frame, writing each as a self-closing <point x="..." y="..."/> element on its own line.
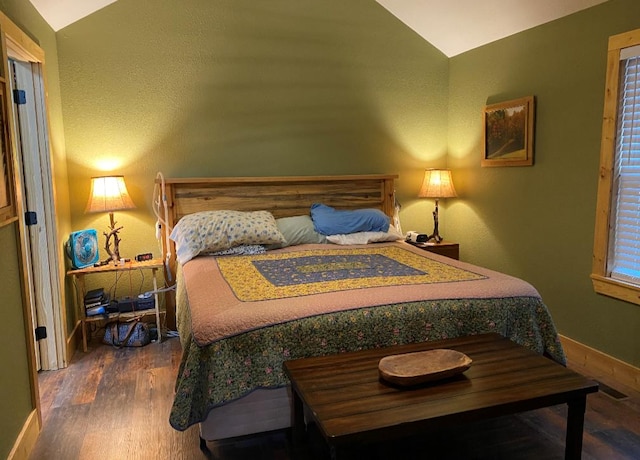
<point x="8" y="208"/>
<point x="508" y="132"/>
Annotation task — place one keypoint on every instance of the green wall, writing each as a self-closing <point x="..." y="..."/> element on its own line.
<point x="15" y="403"/>
<point x="245" y="88"/>
<point x="537" y="222"/>
<point x="217" y="88"/>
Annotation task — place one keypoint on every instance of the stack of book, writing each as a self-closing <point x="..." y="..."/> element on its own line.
<point x="96" y="302"/>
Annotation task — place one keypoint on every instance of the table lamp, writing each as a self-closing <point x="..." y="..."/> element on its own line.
<point x="437" y="184"/>
<point x="108" y="194"/>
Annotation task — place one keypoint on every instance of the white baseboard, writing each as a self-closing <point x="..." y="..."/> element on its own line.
<point x="597" y="363"/>
<point x="26" y="439"/>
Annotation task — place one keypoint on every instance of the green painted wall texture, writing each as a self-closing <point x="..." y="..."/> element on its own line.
<point x="15" y="403"/>
<point x="537" y="222"/>
<point x="239" y="88"/>
<point x="245" y="88"/>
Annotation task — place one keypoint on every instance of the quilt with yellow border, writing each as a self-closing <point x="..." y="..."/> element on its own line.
<point x="285" y="275"/>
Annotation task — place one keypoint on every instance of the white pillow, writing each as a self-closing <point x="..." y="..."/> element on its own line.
<point x="211" y="231"/>
<point x="366" y="237"/>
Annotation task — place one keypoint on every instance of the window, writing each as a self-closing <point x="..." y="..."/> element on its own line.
<point x="616" y="255"/>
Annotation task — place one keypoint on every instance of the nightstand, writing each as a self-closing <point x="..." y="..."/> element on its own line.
<point x="79" y="274"/>
<point x="445" y="248"/>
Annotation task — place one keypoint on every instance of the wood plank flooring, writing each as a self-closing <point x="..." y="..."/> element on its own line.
<point x="114" y="404"/>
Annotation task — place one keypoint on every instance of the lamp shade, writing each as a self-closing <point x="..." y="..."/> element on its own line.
<point x="437" y="183"/>
<point x="108" y="193"/>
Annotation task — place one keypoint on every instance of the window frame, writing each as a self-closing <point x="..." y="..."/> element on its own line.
<point x="602" y="282"/>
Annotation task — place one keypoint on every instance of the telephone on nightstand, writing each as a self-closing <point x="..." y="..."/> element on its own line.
<point x="415" y="237"/>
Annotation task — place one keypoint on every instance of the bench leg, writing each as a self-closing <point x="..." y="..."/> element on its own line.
<point x="298" y="427"/>
<point x="575" y="426"/>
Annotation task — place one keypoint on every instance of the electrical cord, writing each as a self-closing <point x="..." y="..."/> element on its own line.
<point x="161" y="290"/>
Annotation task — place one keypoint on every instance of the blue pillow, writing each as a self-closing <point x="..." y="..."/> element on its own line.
<point x="329" y="221"/>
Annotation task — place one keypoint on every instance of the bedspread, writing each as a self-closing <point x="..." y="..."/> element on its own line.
<point x="224" y="363"/>
<point x="226" y="296"/>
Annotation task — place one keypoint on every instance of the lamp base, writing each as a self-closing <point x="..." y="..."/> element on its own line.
<point x="435" y="235"/>
<point x="114" y="254"/>
<point x="437" y="238"/>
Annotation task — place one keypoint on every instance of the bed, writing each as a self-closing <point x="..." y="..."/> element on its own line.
<point x="240" y="316"/>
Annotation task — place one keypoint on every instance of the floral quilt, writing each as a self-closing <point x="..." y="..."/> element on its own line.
<point x="222" y="370"/>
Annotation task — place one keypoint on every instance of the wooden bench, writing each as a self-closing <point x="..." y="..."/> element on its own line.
<point x="350" y="404"/>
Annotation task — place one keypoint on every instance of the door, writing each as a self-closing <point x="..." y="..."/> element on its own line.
<point x="33" y="152"/>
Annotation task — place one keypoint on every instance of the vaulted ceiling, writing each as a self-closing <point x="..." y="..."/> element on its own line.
<point x="456" y="26"/>
<point x="452" y="26"/>
<point x="61" y="13"/>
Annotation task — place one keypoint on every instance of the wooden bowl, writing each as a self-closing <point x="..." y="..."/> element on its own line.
<point x="423" y="366"/>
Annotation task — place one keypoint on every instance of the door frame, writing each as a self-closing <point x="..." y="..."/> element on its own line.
<point x="32" y="134"/>
<point x="13" y="41"/>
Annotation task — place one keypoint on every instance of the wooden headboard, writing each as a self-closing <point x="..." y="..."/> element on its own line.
<point x="282" y="196"/>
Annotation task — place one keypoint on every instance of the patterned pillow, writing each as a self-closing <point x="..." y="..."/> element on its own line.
<point x="242" y="250"/>
<point x="211" y="231"/>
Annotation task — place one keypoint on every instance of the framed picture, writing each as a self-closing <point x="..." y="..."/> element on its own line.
<point x="508" y="133"/>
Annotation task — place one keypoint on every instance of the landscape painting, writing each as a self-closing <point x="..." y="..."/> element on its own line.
<point x="508" y="133"/>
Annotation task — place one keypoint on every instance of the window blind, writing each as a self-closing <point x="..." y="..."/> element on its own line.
<point x="625" y="248"/>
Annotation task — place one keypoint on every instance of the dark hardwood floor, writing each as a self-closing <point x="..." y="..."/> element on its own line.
<point x="114" y="404"/>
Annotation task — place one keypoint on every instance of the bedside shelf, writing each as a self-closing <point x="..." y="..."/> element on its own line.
<point x="445" y="248"/>
<point x="79" y="274"/>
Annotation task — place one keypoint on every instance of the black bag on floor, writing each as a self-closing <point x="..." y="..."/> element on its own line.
<point x="130" y="334"/>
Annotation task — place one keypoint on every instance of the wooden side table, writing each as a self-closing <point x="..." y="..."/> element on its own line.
<point x="445" y="248"/>
<point x="154" y="265"/>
